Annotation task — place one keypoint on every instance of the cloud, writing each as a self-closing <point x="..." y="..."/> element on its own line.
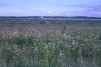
<point x="85" y="6"/>
<point x="90" y="6"/>
<point x="3" y="4"/>
<point x="62" y="4"/>
<point x="83" y="9"/>
<point x="92" y="9"/>
<point x="49" y="12"/>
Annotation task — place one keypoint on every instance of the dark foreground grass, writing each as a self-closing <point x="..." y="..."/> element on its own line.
<point x="50" y="50"/>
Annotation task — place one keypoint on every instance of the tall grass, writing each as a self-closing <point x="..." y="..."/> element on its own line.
<point x="50" y="50"/>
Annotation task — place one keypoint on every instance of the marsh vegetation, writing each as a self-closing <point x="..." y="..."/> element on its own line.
<point x="50" y="43"/>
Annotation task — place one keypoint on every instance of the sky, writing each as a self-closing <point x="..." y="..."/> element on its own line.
<point x="90" y="8"/>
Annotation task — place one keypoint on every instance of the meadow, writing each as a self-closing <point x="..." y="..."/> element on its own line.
<point x="50" y="43"/>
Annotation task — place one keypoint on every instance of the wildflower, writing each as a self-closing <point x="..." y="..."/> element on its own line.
<point x="46" y="46"/>
<point x="15" y="45"/>
<point x="17" y="54"/>
<point x="36" y="49"/>
<point x="9" y="48"/>
<point x="32" y="47"/>
<point x="73" y="42"/>
<point x="68" y="37"/>
<point x="49" y="43"/>
<point x="85" y="40"/>
<point x="60" y="54"/>
<point x="64" y="35"/>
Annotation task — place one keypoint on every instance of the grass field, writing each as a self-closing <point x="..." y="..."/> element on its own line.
<point x="50" y="43"/>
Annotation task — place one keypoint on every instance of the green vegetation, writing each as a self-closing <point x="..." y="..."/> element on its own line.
<point x="51" y="50"/>
<point x="31" y="22"/>
<point x="31" y="49"/>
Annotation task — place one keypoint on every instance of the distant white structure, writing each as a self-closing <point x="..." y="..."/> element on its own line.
<point x="41" y="17"/>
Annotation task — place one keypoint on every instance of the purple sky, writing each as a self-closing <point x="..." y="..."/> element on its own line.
<point x="50" y="8"/>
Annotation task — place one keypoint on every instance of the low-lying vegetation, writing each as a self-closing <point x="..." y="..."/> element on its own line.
<point x="51" y="50"/>
<point x="50" y="43"/>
